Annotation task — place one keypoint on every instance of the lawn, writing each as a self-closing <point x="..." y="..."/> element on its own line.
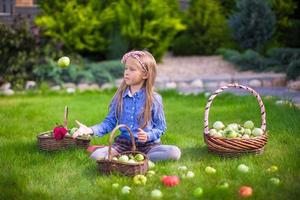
<point x="27" y="173"/>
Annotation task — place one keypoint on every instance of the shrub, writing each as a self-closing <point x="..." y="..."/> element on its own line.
<point x="253" y="24"/>
<point x="148" y="24"/>
<point x="293" y="70"/>
<point x="18" y="52"/>
<point x="206" y="29"/>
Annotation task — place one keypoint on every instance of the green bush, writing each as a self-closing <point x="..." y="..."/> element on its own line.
<point x="291" y="34"/>
<point x="18" y="52"/>
<point x="148" y="24"/>
<point x="79" y="26"/>
<point x="206" y="29"/>
<point x="293" y="70"/>
<point x="253" y="24"/>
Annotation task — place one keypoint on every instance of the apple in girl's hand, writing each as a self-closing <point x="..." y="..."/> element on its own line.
<point x="218" y="125"/>
<point x="223" y="185"/>
<point x="257" y="132"/>
<point x="151" y="164"/>
<point x="272" y="169"/>
<point x="243" y="168"/>
<point x="125" y="190"/>
<point x="115" y="185"/>
<point x="63" y="62"/>
<point x="190" y="174"/>
<point x="156" y="194"/>
<point x="249" y="124"/>
<point x="198" y="192"/>
<point x="140" y="179"/>
<point x="245" y="191"/>
<point x="139" y="157"/>
<point x="210" y="170"/>
<point x="123" y="158"/>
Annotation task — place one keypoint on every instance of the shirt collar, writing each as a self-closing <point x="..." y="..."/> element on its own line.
<point x="138" y="94"/>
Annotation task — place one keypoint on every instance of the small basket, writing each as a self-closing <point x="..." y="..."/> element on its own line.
<point x="235" y="146"/>
<point x="47" y="142"/>
<point x="108" y="166"/>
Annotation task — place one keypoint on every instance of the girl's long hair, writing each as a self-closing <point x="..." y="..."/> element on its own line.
<point x="150" y="66"/>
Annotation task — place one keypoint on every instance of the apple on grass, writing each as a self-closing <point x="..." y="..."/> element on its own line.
<point x="245" y="191"/>
<point x="115" y="185"/>
<point x="198" y="192"/>
<point x="210" y="170"/>
<point x="150" y="173"/>
<point x="140" y="179"/>
<point x="272" y="169"/>
<point x="156" y="194"/>
<point x="275" y="181"/>
<point x="182" y="168"/>
<point x="125" y="190"/>
<point x="243" y="168"/>
<point x="190" y="174"/>
<point x="63" y="62"/>
<point x="223" y="185"/>
<point x="151" y="164"/>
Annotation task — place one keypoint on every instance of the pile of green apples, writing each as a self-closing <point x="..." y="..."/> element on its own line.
<point x="130" y="158"/>
<point x="234" y="130"/>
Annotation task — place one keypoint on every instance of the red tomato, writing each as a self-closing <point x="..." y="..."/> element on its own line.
<point x="245" y="191"/>
<point x="170" y="181"/>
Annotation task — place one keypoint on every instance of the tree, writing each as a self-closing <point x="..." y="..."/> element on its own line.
<point x="253" y="24"/>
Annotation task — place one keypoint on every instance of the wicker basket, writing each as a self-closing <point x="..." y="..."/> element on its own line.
<point x="47" y="142"/>
<point x="235" y="146"/>
<point x="108" y="166"/>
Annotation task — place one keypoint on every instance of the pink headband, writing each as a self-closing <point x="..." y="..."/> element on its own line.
<point x="136" y="55"/>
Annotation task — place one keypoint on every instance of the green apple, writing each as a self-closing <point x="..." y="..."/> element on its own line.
<point x="245" y="136"/>
<point x="73" y="130"/>
<point x="115" y="185"/>
<point x="218" y="125"/>
<point x="212" y="132"/>
<point x="115" y="158"/>
<point x="198" y="192"/>
<point x="123" y="158"/>
<point x="272" y="169"/>
<point x="139" y="157"/>
<point x="247" y="131"/>
<point x="243" y="168"/>
<point x="241" y="130"/>
<point x="182" y="168"/>
<point x="233" y="126"/>
<point x="190" y="174"/>
<point x="151" y="164"/>
<point x="218" y="134"/>
<point x="63" y="62"/>
<point x="156" y="194"/>
<point x="125" y="190"/>
<point x="131" y="161"/>
<point x="210" y="170"/>
<point x="150" y="173"/>
<point x="249" y="124"/>
<point x="257" y="132"/>
<point x="223" y="185"/>
<point x="140" y="179"/>
<point x="275" y="181"/>
<point x="231" y="134"/>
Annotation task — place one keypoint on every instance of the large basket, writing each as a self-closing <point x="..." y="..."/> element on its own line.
<point x="108" y="166"/>
<point x="235" y="146"/>
<point x="48" y="143"/>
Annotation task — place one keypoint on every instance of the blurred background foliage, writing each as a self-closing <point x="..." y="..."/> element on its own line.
<point x="253" y="34"/>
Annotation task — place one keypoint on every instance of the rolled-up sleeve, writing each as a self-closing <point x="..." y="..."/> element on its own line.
<point x="108" y="124"/>
<point x="158" y="119"/>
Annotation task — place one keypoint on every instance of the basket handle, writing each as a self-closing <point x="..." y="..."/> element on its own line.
<point x="235" y="85"/>
<point x="66" y="117"/>
<point x="112" y="137"/>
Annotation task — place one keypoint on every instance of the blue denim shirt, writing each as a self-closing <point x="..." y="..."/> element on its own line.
<point x="133" y="106"/>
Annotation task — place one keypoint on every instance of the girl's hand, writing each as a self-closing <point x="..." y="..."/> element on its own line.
<point x="142" y="135"/>
<point x="82" y="130"/>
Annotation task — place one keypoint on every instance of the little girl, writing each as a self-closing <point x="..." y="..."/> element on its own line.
<point x="136" y="105"/>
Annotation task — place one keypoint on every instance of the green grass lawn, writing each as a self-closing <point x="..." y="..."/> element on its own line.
<point x="27" y="173"/>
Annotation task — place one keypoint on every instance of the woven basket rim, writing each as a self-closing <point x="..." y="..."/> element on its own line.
<point x="146" y="158"/>
<point x="42" y="136"/>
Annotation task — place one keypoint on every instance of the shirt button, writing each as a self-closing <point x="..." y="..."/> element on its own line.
<point x="132" y="108"/>
<point x="131" y="125"/>
<point x="131" y="117"/>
